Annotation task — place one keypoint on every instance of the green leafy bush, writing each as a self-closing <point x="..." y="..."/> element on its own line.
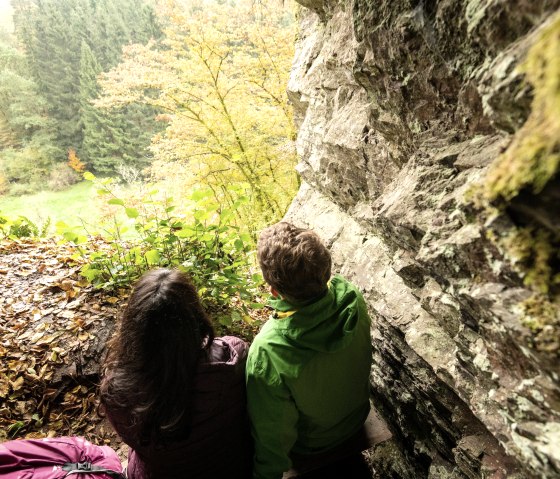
<point x="22" y="227"/>
<point x="26" y="168"/>
<point x="205" y="244"/>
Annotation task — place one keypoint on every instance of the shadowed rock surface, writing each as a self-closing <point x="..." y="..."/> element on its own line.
<point x="403" y="108"/>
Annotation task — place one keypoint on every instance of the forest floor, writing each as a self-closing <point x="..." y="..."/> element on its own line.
<point x="53" y="330"/>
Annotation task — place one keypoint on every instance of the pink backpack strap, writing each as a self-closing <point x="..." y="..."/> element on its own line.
<point x="80" y="468"/>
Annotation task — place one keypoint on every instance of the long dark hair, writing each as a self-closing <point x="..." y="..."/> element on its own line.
<point x="152" y="358"/>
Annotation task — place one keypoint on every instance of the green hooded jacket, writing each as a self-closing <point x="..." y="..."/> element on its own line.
<point x="308" y="377"/>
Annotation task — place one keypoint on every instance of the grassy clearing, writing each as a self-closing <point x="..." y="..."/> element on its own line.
<point x="69" y="205"/>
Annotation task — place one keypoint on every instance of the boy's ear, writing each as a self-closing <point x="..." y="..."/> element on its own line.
<point x="274" y="293"/>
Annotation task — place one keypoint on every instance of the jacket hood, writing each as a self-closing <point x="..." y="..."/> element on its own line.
<point x="327" y="324"/>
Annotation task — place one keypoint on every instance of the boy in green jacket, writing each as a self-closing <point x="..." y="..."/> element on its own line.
<point x="308" y="368"/>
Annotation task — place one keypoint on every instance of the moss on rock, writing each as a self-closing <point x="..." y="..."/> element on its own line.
<point x="533" y="157"/>
<point x="535" y="254"/>
<point x="529" y="164"/>
<point x="542" y="317"/>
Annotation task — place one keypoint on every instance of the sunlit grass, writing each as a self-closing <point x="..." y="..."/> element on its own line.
<point x="79" y="207"/>
<point x="69" y="205"/>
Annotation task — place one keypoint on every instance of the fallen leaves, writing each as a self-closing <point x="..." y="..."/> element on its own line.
<point x="53" y="330"/>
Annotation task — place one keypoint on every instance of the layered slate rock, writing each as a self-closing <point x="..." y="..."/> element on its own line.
<point x="403" y="108"/>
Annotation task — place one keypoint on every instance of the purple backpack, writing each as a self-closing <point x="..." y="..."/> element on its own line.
<point x="56" y="458"/>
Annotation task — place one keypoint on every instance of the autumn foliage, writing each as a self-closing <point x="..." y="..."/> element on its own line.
<point x="74" y="162"/>
<point x="219" y="75"/>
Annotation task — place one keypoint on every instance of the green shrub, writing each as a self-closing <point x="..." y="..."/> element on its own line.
<point x="205" y="245"/>
<point x="25" y="165"/>
<point x="4" y="185"/>
<point x="22" y="189"/>
<point x="21" y="227"/>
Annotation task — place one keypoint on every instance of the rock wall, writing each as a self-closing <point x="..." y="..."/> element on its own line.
<point x="411" y="117"/>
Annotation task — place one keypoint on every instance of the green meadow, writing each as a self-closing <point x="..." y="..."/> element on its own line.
<point x="70" y="205"/>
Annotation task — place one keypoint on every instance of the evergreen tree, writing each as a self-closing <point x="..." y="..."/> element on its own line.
<point x="22" y="108"/>
<point x="110" y="138"/>
<point x="52" y="42"/>
<point x="67" y="43"/>
<point x="27" y="150"/>
<point x="94" y="128"/>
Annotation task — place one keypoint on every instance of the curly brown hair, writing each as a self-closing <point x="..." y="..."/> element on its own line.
<point x="152" y="358"/>
<point x="294" y="261"/>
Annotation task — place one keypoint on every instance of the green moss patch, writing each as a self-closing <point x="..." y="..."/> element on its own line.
<point x="531" y="162"/>
<point x="528" y="165"/>
<point x="533" y="157"/>
<point x="537" y="255"/>
<point x="542" y="317"/>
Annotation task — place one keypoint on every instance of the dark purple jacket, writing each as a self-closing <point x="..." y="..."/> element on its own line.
<point x="219" y="444"/>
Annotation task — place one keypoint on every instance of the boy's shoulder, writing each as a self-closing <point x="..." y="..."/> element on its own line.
<point x="259" y="361"/>
<point x="267" y="339"/>
<point x="273" y="356"/>
<point x="263" y="337"/>
<point x="342" y="285"/>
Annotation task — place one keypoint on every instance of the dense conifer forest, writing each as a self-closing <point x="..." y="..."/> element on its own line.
<point x="48" y="79"/>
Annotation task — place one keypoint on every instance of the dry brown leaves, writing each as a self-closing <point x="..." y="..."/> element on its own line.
<point x="53" y="330"/>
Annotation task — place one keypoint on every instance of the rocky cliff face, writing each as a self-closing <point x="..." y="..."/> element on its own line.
<point x="429" y="152"/>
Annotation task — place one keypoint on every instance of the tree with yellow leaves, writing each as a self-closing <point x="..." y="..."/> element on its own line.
<point x="220" y="75"/>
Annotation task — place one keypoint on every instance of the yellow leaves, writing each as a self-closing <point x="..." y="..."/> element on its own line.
<point x="142" y="68"/>
<point x="218" y="78"/>
<point x="83" y="336"/>
<point x="47" y="339"/>
<point x="65" y="285"/>
<point x="74" y="162"/>
<point x="4" y="386"/>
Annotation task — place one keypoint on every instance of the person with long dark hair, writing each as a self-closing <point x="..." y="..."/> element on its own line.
<point x="172" y="391"/>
